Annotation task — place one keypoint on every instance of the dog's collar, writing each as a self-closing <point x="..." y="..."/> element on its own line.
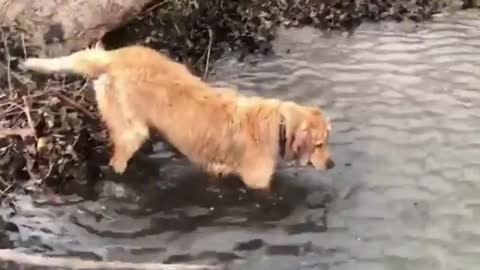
<point x="282" y="137"/>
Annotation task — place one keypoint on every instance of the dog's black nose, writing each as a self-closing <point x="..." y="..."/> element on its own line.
<point x="330" y="164"/>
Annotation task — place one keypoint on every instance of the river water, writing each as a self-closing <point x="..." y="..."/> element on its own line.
<point x="405" y="194"/>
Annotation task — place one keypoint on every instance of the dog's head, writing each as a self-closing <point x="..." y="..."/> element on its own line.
<point x="309" y="139"/>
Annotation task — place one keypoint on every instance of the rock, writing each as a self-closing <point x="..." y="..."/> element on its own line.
<point x="54" y="26"/>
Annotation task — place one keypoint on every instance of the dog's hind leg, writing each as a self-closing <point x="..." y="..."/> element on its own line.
<point x="126" y="142"/>
<point x="126" y="133"/>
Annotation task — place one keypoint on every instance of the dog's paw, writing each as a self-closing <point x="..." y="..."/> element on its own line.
<point x="118" y="166"/>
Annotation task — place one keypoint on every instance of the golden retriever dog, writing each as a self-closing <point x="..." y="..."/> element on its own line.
<point x="223" y="132"/>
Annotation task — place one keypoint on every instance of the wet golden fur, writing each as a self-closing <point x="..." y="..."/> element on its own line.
<point x="223" y="132"/>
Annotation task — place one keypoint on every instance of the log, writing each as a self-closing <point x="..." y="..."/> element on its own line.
<point x="58" y="27"/>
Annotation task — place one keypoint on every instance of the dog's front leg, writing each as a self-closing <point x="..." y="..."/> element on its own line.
<point x="119" y="161"/>
<point x="258" y="175"/>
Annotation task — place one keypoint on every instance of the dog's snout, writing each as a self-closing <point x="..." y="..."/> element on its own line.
<point x="330" y="164"/>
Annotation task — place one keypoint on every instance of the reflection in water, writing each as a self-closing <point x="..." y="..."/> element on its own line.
<point x="405" y="126"/>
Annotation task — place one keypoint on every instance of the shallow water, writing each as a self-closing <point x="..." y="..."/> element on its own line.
<point x="404" y="193"/>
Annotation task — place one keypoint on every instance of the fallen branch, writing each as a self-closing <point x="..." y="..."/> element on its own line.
<point x="22" y="132"/>
<point x="5" y="190"/>
<point x="148" y="10"/>
<point x="29" y="117"/>
<point x="75" y="263"/>
<point x="75" y="105"/>
<point x="209" y="48"/>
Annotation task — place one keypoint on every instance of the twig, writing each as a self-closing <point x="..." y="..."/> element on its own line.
<point x="26" y="109"/>
<point x="80" y="90"/>
<point x="15" y="117"/>
<point x="22" y="132"/>
<point x="74" y="104"/>
<point x="23" y="46"/>
<point x="147" y="11"/>
<point x="210" y="35"/>
<point x="7" y="59"/>
<point x="14" y="106"/>
<point x="7" y="105"/>
<point x="2" y="181"/>
<point x="200" y="59"/>
<point x="154" y="7"/>
<point x="49" y="172"/>
<point x="75" y="263"/>
<point x="5" y="190"/>
<point x="37" y="95"/>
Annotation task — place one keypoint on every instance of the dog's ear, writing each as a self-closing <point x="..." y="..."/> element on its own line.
<point x="302" y="144"/>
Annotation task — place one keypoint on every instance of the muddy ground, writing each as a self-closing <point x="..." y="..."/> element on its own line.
<point x="50" y="133"/>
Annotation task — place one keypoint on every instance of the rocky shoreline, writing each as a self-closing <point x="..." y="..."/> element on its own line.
<point x="50" y="133"/>
<point x="186" y="28"/>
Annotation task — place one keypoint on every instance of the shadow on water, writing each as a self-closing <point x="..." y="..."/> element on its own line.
<point x="162" y="208"/>
<point x="404" y="195"/>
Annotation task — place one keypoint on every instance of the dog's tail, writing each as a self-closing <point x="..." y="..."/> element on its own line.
<point x="90" y="62"/>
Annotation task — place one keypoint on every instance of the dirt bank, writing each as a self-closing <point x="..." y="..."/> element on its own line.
<point x="50" y="132"/>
